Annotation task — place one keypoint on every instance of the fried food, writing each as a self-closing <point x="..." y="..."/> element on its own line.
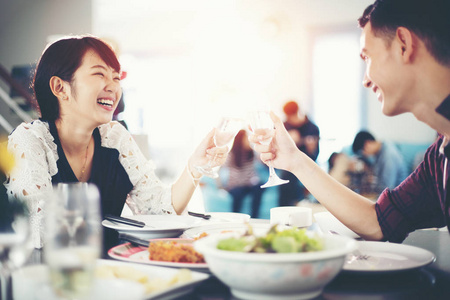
<point x="174" y="252"/>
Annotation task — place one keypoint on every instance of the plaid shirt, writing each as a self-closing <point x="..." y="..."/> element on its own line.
<point x="420" y="201"/>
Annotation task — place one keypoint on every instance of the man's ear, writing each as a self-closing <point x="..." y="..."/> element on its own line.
<point x="406" y="45"/>
<point x="58" y="87"/>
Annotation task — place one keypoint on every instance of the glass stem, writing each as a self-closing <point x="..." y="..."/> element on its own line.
<point x="5" y="274"/>
<point x="271" y="169"/>
<point x="6" y="288"/>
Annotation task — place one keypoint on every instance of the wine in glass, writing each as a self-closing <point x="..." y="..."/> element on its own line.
<point x="225" y="133"/>
<point x="73" y="238"/>
<point x="262" y="124"/>
<point x="15" y="242"/>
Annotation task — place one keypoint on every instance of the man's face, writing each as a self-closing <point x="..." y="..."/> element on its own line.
<point x="384" y="71"/>
<point x="370" y="148"/>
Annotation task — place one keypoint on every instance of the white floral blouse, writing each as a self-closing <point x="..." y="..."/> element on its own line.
<point x="36" y="152"/>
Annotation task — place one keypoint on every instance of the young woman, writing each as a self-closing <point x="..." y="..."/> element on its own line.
<point x="77" y="87"/>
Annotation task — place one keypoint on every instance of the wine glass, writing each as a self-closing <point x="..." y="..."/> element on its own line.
<point x="15" y="242"/>
<point x="73" y="238"/>
<point x="262" y="124"/>
<point x="226" y="131"/>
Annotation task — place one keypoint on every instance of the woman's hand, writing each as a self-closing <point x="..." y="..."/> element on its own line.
<point x="207" y="151"/>
<point x="282" y="150"/>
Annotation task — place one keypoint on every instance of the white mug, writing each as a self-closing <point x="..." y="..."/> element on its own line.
<point x="291" y="215"/>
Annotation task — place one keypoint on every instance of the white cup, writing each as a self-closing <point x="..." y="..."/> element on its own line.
<point x="291" y="215"/>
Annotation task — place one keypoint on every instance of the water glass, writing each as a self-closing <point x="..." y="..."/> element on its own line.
<point x="73" y="238"/>
<point x="15" y="242"/>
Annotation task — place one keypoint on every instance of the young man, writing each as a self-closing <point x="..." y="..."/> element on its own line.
<point x="384" y="159"/>
<point x="406" y="47"/>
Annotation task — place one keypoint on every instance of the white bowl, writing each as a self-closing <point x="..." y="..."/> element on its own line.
<point x="276" y="275"/>
<point x="330" y="224"/>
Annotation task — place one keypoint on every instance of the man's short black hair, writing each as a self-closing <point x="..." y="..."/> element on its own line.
<point x="360" y="140"/>
<point x="428" y="19"/>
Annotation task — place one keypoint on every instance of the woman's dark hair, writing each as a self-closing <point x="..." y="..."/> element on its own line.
<point x="62" y="59"/>
<point x="240" y="153"/>
<point x="428" y="19"/>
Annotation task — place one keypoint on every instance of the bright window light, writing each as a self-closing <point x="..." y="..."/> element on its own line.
<point x="336" y="91"/>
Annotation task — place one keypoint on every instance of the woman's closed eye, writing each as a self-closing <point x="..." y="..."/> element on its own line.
<point x="99" y="74"/>
<point x="102" y="75"/>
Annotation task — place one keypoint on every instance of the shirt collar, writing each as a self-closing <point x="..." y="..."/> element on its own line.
<point x="444" y="108"/>
<point x="445" y="148"/>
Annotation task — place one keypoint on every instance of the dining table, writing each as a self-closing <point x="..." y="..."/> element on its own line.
<point x="430" y="281"/>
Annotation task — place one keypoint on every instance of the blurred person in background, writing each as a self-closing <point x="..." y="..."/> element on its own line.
<point x="339" y="166"/>
<point x="353" y="172"/>
<point x="243" y="178"/>
<point x="306" y="136"/>
<point x="388" y="166"/>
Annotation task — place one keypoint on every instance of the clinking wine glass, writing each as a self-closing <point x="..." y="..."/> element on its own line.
<point x="225" y="133"/>
<point x="261" y="123"/>
<point x="73" y="238"/>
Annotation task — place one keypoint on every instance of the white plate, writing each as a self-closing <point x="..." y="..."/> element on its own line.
<point x="330" y="224"/>
<point x="35" y="279"/>
<point x="258" y="229"/>
<point x="173" y="291"/>
<point x="387" y="257"/>
<point x="158" y="226"/>
<point x="220" y="217"/>
<point x="139" y="254"/>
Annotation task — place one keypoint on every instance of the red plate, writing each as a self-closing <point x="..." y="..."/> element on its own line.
<point x="139" y="254"/>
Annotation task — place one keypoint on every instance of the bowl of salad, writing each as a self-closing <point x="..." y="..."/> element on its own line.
<point x="281" y="264"/>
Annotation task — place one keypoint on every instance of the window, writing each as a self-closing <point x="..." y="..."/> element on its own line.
<point x="337" y="90"/>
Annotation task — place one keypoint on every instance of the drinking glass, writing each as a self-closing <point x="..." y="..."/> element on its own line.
<point x="72" y="238"/>
<point x="226" y="131"/>
<point x="261" y="123"/>
<point x="15" y="242"/>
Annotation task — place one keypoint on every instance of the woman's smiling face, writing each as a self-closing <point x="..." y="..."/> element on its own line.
<point x="94" y="91"/>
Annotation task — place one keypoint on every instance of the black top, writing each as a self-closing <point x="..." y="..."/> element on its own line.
<point x="107" y="174"/>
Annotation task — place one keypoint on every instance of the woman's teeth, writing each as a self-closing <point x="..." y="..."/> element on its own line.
<point x="105" y="102"/>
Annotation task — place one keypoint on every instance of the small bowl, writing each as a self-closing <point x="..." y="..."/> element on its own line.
<point x="330" y="224"/>
<point x="270" y="276"/>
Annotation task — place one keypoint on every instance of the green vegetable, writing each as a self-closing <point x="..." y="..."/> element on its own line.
<point x="241" y="244"/>
<point x="286" y="241"/>
<point x="285" y="244"/>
